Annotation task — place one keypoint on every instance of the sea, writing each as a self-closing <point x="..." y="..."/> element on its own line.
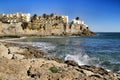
<point x="102" y="50"/>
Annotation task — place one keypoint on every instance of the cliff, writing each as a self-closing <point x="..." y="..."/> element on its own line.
<point x="45" y="25"/>
<point x="24" y="62"/>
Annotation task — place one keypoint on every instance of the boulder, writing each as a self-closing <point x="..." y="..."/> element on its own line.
<point x="70" y="62"/>
<point x="4" y="52"/>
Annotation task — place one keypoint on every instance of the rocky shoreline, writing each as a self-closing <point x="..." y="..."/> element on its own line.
<point x="25" y="62"/>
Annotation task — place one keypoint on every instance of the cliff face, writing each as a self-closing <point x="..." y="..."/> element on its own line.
<point x="47" y="29"/>
<point x="45" y="25"/>
<point x="78" y="30"/>
<point x="11" y="29"/>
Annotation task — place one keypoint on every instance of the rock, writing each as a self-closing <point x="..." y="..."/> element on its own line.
<point x="94" y="69"/>
<point x="17" y="56"/>
<point x="33" y="66"/>
<point x="73" y="63"/>
<point x="57" y="30"/>
<point x="32" y="52"/>
<point x="45" y="27"/>
<point x="0" y="27"/>
<point x="16" y="51"/>
<point x="4" y="53"/>
<point x="88" y="73"/>
<point x="55" y="59"/>
<point x="39" y="69"/>
<point x="12" y="29"/>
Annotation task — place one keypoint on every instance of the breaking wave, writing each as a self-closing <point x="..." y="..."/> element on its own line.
<point x="81" y="58"/>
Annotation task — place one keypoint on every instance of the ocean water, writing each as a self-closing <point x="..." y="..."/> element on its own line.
<point x="102" y="50"/>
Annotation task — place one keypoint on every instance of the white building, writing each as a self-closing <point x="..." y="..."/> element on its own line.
<point x="78" y="21"/>
<point x="27" y="17"/>
<point x="18" y="17"/>
<point x="65" y="19"/>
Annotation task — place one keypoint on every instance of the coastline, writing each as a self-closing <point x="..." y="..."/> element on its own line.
<point x="37" y="66"/>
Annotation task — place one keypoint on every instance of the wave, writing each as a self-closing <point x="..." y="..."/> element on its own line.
<point x="41" y="45"/>
<point x="12" y="39"/>
<point x="81" y="59"/>
<point x="44" y="46"/>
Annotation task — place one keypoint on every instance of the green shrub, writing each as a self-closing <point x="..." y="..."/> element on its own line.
<point x="53" y="69"/>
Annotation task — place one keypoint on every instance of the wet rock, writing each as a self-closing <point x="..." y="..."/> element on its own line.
<point x="94" y="69"/>
<point x="32" y="52"/>
<point x="70" y="62"/>
<point x="55" y="59"/>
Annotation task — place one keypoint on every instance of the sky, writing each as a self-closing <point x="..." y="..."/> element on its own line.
<point x="100" y="15"/>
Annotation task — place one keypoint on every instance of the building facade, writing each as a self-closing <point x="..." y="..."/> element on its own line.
<point x="15" y="18"/>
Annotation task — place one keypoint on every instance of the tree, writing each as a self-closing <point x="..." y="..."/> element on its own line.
<point x="77" y="18"/>
<point x="44" y="15"/>
<point x="34" y="17"/>
<point x="24" y="25"/>
<point x="57" y="17"/>
<point x="52" y="15"/>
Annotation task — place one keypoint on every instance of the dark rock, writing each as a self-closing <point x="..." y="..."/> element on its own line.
<point x="70" y="62"/>
<point x="94" y="69"/>
<point x="55" y="59"/>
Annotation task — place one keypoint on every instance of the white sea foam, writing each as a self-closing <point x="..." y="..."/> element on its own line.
<point x="11" y="39"/>
<point x="44" y="46"/>
<point x="118" y="71"/>
<point x="81" y="59"/>
<point x="108" y="70"/>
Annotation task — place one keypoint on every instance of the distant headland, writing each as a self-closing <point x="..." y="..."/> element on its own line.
<point x="45" y="25"/>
